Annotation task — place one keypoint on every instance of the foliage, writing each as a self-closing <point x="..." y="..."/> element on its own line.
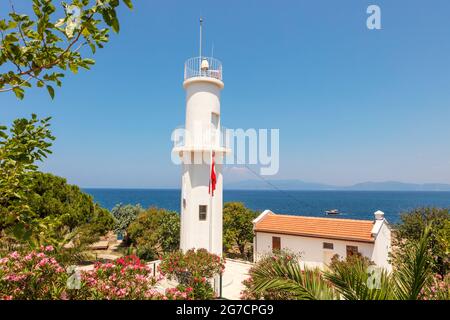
<point x="62" y="212"/>
<point x="39" y="49"/>
<point x="192" y="270"/>
<point x="439" y="289"/>
<point x="38" y="275"/>
<point x="35" y="275"/>
<point x="125" y="278"/>
<point x="280" y="277"/>
<point x="238" y="228"/>
<point x="28" y="142"/>
<point x="413" y="225"/>
<point x="155" y="232"/>
<point x="351" y="278"/>
<point x="410" y="280"/>
<point x="52" y="196"/>
<point x="125" y="215"/>
<point x="414" y="273"/>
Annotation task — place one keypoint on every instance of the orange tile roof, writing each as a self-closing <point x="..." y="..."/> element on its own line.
<point x="329" y="228"/>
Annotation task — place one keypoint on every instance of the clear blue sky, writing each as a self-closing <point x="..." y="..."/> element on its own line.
<point x="351" y="104"/>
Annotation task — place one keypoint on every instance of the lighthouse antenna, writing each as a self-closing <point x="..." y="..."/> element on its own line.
<point x="201" y="27"/>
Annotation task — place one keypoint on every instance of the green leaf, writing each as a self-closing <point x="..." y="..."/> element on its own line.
<point x="73" y="67"/>
<point x="128" y="3"/>
<point x="51" y="91"/>
<point x="18" y="91"/>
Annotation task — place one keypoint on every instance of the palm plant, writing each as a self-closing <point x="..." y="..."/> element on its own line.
<point x="349" y="281"/>
<point x="283" y="274"/>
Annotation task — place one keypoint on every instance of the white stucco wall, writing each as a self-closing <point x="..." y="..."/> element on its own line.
<point x="310" y="249"/>
<point x="202" y="101"/>
<point x="382" y="247"/>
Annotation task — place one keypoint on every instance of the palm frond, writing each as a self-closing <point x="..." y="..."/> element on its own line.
<point x="287" y="276"/>
<point x="413" y="274"/>
<point x="353" y="282"/>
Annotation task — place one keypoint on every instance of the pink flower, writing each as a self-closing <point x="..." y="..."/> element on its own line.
<point x="49" y="248"/>
<point x="14" y="255"/>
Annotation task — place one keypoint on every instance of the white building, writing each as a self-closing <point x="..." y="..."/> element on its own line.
<point x="317" y="240"/>
<point x="201" y="209"/>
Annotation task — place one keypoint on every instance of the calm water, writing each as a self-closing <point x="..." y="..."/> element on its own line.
<point x="352" y="204"/>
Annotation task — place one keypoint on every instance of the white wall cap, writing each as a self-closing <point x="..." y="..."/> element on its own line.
<point x="262" y="215"/>
<point x="379" y="215"/>
<point x="377" y="227"/>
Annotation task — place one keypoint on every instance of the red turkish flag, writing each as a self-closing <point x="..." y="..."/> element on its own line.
<point x="212" y="179"/>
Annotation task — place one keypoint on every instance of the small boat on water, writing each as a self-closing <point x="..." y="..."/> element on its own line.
<point x="334" y="211"/>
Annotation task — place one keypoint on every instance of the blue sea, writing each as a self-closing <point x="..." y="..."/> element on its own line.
<point x="351" y="204"/>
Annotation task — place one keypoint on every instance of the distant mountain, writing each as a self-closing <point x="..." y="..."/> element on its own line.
<point x="280" y="184"/>
<point x="364" y="186"/>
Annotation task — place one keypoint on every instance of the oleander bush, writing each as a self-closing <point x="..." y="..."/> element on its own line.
<point x="37" y="275"/>
<point x="34" y="275"/>
<point x="193" y="270"/>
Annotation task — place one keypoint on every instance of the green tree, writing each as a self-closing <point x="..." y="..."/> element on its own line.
<point x="155" y="232"/>
<point x="124" y="215"/>
<point x="37" y="50"/>
<point x="238" y="228"/>
<point x="411" y="228"/>
<point x="28" y="142"/>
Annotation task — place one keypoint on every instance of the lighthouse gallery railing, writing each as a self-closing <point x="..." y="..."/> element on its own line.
<point x="197" y="67"/>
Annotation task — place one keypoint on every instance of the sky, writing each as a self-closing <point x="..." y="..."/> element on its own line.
<point x="351" y="104"/>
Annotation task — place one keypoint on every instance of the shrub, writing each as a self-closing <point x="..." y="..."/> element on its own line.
<point x="125" y="278"/>
<point x="35" y="275"/>
<point x="155" y="232"/>
<point x="411" y="228"/>
<point x="193" y="270"/>
<point x="439" y="289"/>
<point x="38" y="275"/>
<point x="125" y="215"/>
<point x="267" y="262"/>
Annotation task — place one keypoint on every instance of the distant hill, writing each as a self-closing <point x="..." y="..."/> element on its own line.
<point x="364" y="186"/>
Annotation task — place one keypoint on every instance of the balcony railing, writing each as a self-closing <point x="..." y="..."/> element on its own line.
<point x="207" y="67"/>
<point x="203" y="139"/>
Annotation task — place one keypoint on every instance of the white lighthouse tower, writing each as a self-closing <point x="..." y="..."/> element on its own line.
<point x="201" y="207"/>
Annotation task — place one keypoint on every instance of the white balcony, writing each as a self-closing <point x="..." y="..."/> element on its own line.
<point x="206" y="67"/>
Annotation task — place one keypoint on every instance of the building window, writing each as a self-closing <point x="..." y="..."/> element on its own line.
<point x="328" y="245"/>
<point x="276" y="244"/>
<point x="352" y="250"/>
<point x="202" y="209"/>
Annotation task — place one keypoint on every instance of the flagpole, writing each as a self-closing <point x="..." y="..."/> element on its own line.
<point x="210" y="196"/>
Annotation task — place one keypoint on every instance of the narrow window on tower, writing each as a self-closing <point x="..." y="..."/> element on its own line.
<point x="214" y="127"/>
<point x="202" y="209"/>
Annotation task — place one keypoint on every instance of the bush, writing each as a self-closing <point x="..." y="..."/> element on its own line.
<point x="266" y="262"/>
<point x="412" y="227"/>
<point x="35" y="275"/>
<point x="38" y="275"/>
<point x="155" y="232"/>
<point x="439" y="289"/>
<point x="125" y="215"/>
<point x="193" y="270"/>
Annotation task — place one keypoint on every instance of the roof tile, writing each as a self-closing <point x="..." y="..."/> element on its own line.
<point x="329" y="228"/>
